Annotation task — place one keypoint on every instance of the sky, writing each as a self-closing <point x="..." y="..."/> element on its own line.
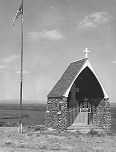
<point x="55" y="34"/>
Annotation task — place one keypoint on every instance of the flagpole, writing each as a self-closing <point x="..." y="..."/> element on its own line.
<point x="21" y="72"/>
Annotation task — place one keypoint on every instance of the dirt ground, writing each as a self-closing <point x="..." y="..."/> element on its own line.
<point x="36" y="140"/>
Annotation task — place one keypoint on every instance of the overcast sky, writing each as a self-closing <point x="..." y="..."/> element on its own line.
<point x="55" y="34"/>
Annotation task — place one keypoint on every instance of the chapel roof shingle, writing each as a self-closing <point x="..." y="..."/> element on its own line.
<point x="67" y="78"/>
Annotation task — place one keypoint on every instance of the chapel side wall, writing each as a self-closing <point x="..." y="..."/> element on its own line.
<point x="56" y="118"/>
<point x="102" y="115"/>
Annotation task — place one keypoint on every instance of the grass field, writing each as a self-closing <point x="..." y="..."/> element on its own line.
<point x="34" y="114"/>
<point x="38" y="138"/>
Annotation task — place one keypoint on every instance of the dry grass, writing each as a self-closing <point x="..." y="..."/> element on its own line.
<point x="38" y="139"/>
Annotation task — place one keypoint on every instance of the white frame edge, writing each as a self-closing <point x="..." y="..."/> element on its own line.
<point x="87" y="64"/>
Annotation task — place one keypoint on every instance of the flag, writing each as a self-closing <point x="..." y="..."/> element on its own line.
<point x="18" y="13"/>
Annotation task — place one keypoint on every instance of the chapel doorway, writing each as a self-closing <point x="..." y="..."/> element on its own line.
<point x="84" y="96"/>
<point x="84" y="113"/>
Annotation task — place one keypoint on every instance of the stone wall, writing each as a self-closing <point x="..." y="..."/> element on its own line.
<point x="102" y="115"/>
<point x="56" y="114"/>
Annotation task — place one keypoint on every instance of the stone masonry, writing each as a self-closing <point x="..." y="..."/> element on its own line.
<point x="56" y="114"/>
<point x="102" y="115"/>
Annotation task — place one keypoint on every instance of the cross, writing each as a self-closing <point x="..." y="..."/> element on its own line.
<point x="86" y="51"/>
<point x="85" y="99"/>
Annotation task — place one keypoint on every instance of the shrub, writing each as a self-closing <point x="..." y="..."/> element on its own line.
<point x="40" y="128"/>
<point x="8" y="143"/>
<point x="8" y="124"/>
<point x="2" y="123"/>
<point x="93" y="132"/>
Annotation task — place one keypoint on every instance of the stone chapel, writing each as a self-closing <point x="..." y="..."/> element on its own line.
<point x="78" y="98"/>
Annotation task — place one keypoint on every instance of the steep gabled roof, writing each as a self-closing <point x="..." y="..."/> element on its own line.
<point x="63" y="86"/>
<point x="67" y="78"/>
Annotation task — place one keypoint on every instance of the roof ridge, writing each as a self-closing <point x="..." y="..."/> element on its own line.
<point x="79" y="60"/>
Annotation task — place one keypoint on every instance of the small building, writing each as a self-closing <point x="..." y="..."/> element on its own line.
<point x="78" y="98"/>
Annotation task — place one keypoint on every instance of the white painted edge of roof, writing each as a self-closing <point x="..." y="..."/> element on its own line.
<point x="86" y="64"/>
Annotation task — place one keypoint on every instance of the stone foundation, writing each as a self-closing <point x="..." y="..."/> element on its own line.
<point x="102" y="115"/>
<point x="56" y="114"/>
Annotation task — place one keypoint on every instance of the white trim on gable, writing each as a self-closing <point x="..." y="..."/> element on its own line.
<point x="86" y="64"/>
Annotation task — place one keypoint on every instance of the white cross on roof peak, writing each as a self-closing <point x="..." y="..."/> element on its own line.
<point x="86" y="51"/>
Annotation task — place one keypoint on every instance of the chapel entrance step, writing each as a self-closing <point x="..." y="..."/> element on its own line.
<point x="82" y="128"/>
